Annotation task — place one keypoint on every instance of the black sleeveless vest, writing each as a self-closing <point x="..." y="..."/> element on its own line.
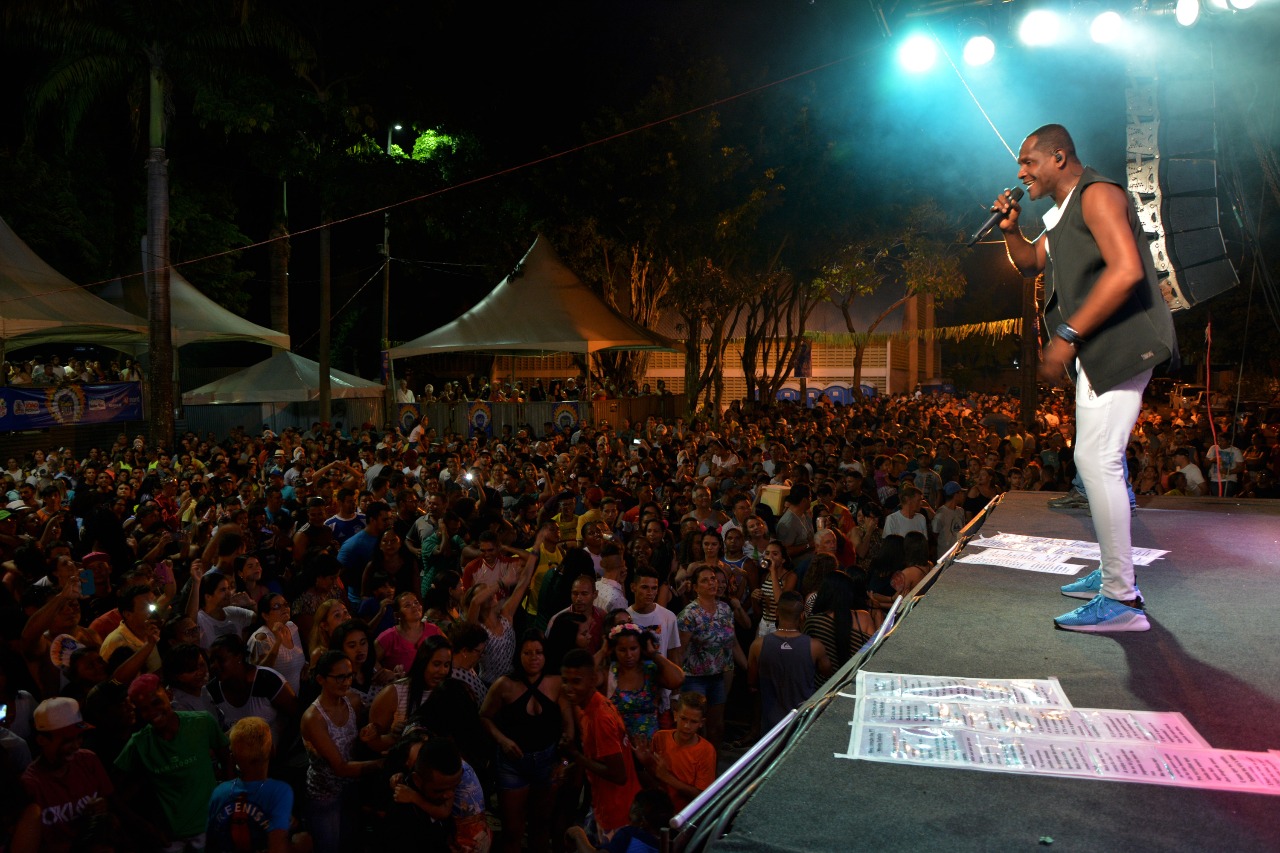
<point x="1139" y="335"/>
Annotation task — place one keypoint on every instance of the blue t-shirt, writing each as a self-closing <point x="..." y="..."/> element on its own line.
<point x="242" y="811"/>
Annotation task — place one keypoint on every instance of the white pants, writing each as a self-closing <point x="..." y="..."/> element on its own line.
<point x="1103" y="425"/>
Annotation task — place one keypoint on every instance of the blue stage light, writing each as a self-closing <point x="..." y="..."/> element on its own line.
<point x="918" y="54"/>
<point x="979" y="50"/>
<point x="1106" y="27"/>
<point x="1040" y="27"/>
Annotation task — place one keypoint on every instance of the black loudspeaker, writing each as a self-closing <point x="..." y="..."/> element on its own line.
<point x="1189" y="213"/>
<point x="1193" y="248"/>
<point x="1207" y="280"/>
<point x="1183" y="177"/>
<point x="1186" y="138"/>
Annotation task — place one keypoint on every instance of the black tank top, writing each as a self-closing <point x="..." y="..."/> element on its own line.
<point x="532" y="732"/>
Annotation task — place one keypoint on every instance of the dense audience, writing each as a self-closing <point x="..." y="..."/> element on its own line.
<point x="318" y="640"/>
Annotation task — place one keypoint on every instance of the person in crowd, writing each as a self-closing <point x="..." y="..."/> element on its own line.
<point x="636" y="677"/>
<point x="330" y="614"/>
<point x="523" y="714"/>
<point x="217" y="617"/>
<point x="469" y="641"/>
<point x="568" y="630"/>
<point x="783" y="664"/>
<point x="240" y="689"/>
<point x="776" y="578"/>
<point x="331" y="728"/>
<point x="600" y="747"/>
<point x="176" y="758"/>
<point x="681" y="759"/>
<point x="70" y="795"/>
<point x="443" y="601"/>
<point x="707" y="638"/>
<point x="404" y="696"/>
<point x="483" y="608"/>
<point x="251" y="811"/>
<point x="277" y="643"/>
<point x="841" y="622"/>
<point x="397" y="645"/>
<point x="368" y="676"/>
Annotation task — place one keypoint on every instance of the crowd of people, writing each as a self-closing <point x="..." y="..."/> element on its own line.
<point x="49" y="369"/>
<point x="472" y="388"/>
<point x="541" y="639"/>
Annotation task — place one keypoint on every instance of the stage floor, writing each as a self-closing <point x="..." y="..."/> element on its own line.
<point x="1211" y="654"/>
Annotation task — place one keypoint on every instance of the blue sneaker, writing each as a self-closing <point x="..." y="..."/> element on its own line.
<point x="1103" y="615"/>
<point x="1091" y="585"/>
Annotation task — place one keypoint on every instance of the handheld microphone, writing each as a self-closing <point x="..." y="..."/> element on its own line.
<point x="994" y="218"/>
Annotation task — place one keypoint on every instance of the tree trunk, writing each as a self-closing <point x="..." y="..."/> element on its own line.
<point x="692" y="365"/>
<point x="326" y="311"/>
<point x="159" y="325"/>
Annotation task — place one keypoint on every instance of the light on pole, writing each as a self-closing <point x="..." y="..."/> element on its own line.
<point x="389" y="378"/>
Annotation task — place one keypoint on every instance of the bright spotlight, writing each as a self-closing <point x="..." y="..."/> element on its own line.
<point x="1106" y="27"/>
<point x="979" y="50"/>
<point x="1241" y="5"/>
<point x="1040" y="27"/>
<point x="1220" y="5"/>
<point x="917" y="54"/>
<point x="1187" y="12"/>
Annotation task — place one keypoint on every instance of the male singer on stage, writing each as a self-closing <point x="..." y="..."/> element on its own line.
<point x="1110" y="328"/>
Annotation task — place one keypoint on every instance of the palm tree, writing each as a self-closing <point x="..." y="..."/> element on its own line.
<point x="144" y="50"/>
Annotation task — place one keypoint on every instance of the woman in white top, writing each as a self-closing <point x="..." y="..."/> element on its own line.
<point x="277" y="643"/>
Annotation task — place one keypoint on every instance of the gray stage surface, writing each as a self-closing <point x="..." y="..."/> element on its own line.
<point x="1211" y="653"/>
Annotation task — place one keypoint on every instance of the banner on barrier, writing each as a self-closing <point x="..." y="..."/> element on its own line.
<point x="43" y="407"/>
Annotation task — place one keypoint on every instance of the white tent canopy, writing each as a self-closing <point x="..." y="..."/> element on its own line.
<point x="40" y="305"/>
<point x="540" y="308"/>
<point x="283" y="378"/>
<point x="195" y="318"/>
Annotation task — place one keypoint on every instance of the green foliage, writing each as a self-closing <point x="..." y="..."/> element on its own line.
<point x="201" y="224"/>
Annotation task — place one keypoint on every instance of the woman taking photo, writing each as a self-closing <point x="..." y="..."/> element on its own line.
<point x="636" y="676"/>
<point x="398" y="645"/>
<point x="330" y="730"/>
<point x="707" y="638"/>
<point x="522" y="712"/>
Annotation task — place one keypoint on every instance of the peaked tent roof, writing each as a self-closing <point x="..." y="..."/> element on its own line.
<point x="283" y="378"/>
<point x="195" y="317"/>
<point x="40" y="305"/>
<point x="541" y="308"/>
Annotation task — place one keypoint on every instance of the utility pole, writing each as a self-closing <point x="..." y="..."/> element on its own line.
<point x="389" y="378"/>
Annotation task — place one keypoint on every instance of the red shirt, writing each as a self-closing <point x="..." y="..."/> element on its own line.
<point x="63" y="796"/>
<point x="603" y="735"/>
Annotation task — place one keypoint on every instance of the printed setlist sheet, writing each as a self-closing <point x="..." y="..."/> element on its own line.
<point x="1044" y="554"/>
<point x="1028" y="726"/>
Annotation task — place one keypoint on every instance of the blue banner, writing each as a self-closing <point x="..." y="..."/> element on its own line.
<point x="41" y="407"/>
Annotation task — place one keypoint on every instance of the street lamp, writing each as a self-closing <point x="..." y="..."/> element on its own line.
<point x="388" y="372"/>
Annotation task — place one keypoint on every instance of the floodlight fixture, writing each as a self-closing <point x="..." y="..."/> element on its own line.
<point x="1039" y="27"/>
<point x="1187" y="12"/>
<point x="1241" y="5"/>
<point x="1106" y="27"/>
<point x="979" y="48"/>
<point x="918" y="54"/>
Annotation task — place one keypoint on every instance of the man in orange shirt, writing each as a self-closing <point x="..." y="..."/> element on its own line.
<point x="605" y="753"/>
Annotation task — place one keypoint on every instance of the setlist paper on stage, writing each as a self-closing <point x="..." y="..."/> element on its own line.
<point x="1185" y="767"/>
<point x="1017" y="560"/>
<point x="1047" y="547"/>
<point x="1153" y="727"/>
<point x="943" y="688"/>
